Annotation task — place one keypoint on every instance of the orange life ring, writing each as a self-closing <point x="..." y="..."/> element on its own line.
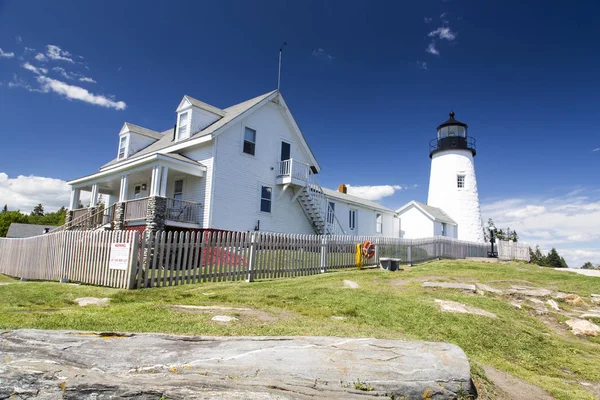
<point x="368" y="249"/>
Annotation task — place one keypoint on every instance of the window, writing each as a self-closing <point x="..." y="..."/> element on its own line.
<point x="444" y="229"/>
<point x="286" y="151"/>
<point x="352" y="220"/>
<point x="178" y="190"/>
<point x="460" y="181"/>
<point x="266" y="193"/>
<point x="183" y="126"/>
<point x="330" y="213"/>
<point x="122" y="147"/>
<point x="379" y="223"/>
<point x="249" y="141"/>
<point x="137" y="191"/>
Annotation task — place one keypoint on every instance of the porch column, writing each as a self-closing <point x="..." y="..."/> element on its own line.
<point x="94" y="197"/>
<point x="108" y="200"/>
<point x="155" y="182"/>
<point x="75" y="195"/>
<point x="123" y="189"/>
<point x="163" y="182"/>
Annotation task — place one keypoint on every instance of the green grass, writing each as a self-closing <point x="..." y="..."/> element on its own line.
<point x="516" y="342"/>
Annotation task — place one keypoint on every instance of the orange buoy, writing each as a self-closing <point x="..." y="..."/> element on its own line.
<point x="368" y="249"/>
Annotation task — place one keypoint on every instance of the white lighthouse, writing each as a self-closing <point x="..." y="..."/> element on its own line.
<point x="452" y="183"/>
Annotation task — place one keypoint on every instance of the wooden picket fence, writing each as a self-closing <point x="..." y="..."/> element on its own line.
<point x="508" y="250"/>
<point x="74" y="256"/>
<point x="176" y="258"/>
<point x="158" y="259"/>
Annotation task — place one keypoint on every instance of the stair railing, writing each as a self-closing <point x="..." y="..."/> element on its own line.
<point x="316" y="193"/>
<point x="89" y="221"/>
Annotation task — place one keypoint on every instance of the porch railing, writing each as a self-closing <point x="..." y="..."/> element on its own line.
<point x="80" y="212"/>
<point x="136" y="209"/>
<point x="183" y="211"/>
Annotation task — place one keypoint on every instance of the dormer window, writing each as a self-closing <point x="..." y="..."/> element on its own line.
<point x="122" y="147"/>
<point x="183" y="130"/>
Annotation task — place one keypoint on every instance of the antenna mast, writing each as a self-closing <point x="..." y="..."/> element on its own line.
<point x="279" y="70"/>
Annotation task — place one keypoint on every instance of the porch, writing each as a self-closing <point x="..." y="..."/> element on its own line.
<point x="164" y="191"/>
<point x="293" y="172"/>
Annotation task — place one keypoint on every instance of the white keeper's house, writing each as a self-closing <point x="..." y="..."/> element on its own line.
<point x="243" y="168"/>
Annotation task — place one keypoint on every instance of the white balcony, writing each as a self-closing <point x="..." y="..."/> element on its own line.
<point x="293" y="172"/>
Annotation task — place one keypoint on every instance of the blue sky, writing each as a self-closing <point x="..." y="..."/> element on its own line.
<point x="368" y="82"/>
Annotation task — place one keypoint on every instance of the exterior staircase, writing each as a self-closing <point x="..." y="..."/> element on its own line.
<point x="311" y="197"/>
<point x="101" y="219"/>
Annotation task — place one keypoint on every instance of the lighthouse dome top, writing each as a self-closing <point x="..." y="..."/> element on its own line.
<point x="452" y="122"/>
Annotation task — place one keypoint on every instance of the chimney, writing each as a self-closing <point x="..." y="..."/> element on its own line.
<point x="343" y="189"/>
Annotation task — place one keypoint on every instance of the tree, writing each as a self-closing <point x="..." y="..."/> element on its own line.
<point x="553" y="260"/>
<point x="8" y="217"/>
<point x="588" y="265"/>
<point x="500" y="234"/>
<point x="38" y="210"/>
<point x="5" y="209"/>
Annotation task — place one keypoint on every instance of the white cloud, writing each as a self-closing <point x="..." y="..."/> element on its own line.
<point x="18" y="39"/>
<point x="41" y="57"/>
<point x="54" y="52"/>
<point x="568" y="222"/>
<point x="373" y="192"/>
<point x="596" y="149"/>
<point x="422" y="65"/>
<point x="4" y="54"/>
<point x="86" y="79"/>
<point x="322" y="53"/>
<point x="20" y="83"/>
<point x="443" y="32"/>
<point x="65" y="74"/>
<point x="72" y="92"/>
<point x="25" y="192"/>
<point x="427" y="20"/>
<point x="432" y="50"/>
<point x="35" y="70"/>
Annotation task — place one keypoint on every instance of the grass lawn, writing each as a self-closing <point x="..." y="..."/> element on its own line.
<point x="387" y="305"/>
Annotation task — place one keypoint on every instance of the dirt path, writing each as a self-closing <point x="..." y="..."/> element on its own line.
<point x="508" y="387"/>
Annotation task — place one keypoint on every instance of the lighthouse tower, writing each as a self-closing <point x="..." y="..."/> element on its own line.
<point x="452" y="183"/>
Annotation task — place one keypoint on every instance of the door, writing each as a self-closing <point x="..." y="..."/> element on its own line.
<point x="286" y="151"/>
<point x="140" y="191"/>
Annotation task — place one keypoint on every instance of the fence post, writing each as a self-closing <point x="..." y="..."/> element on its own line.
<point x="409" y="254"/>
<point x="63" y="256"/>
<point x="135" y="264"/>
<point x="323" y="254"/>
<point x="377" y="243"/>
<point x="252" y="261"/>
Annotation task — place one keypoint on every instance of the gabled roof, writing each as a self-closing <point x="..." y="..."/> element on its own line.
<point x="354" y="199"/>
<point x="231" y="113"/>
<point x="200" y="104"/>
<point x="127" y="126"/>
<point x="16" y="230"/>
<point x="437" y="214"/>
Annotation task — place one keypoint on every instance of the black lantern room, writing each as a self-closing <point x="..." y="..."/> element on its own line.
<point x="452" y="135"/>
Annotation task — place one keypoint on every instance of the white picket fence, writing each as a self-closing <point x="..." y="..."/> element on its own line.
<point x="176" y="258"/>
<point x="75" y="256"/>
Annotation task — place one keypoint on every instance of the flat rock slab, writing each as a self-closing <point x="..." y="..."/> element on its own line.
<point x="93" y="301"/>
<point x="529" y="291"/>
<point x="583" y="327"/>
<point x="487" y="288"/>
<point x="7" y="283"/>
<point x="74" y="365"/>
<point x="453" y="306"/>
<point x="223" y="318"/>
<point x="351" y="284"/>
<point x="450" y="285"/>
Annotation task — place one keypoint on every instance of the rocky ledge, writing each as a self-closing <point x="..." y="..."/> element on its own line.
<point x="84" y="365"/>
